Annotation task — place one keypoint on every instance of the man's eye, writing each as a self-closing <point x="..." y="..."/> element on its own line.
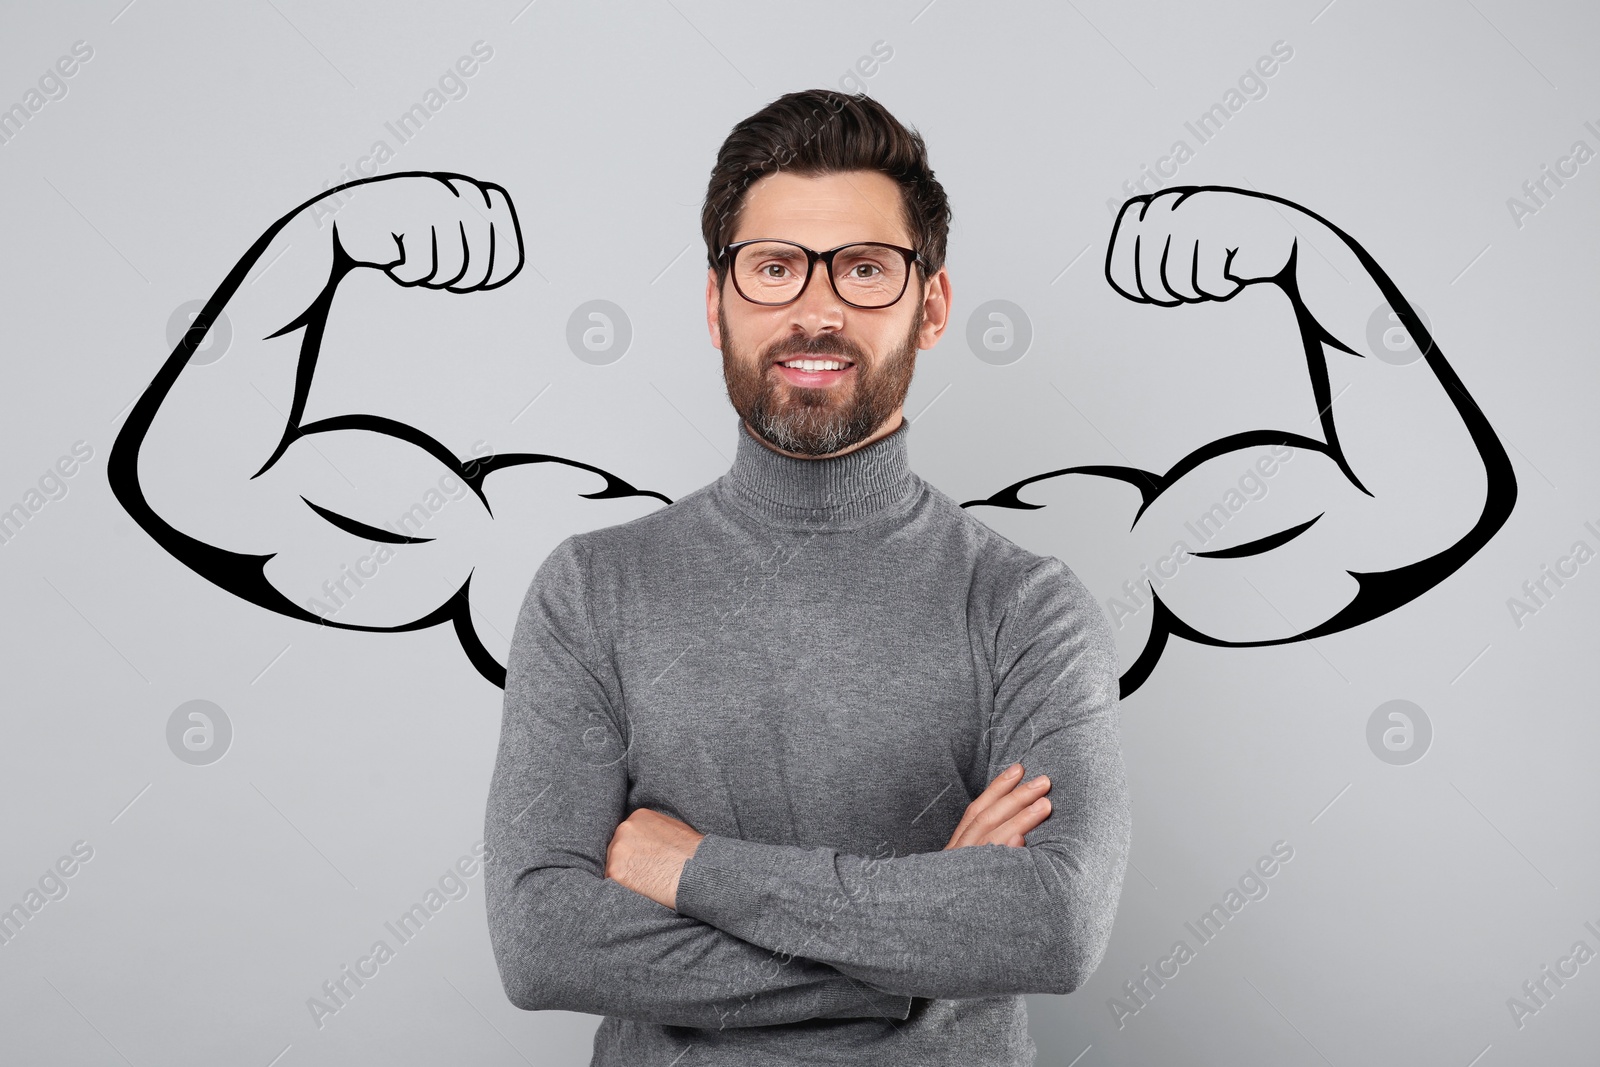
<point x="868" y="266"/>
<point x="774" y="266"/>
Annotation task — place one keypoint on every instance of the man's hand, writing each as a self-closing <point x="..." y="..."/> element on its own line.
<point x="1188" y="244"/>
<point x="647" y="853"/>
<point x="442" y="231"/>
<point x="1005" y="811"/>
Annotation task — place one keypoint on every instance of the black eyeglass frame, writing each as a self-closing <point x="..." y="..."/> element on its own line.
<point x="730" y="252"/>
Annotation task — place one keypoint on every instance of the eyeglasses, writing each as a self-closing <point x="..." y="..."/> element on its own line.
<point x="865" y="275"/>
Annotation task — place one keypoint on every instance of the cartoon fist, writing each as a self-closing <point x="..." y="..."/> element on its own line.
<point x="442" y="231"/>
<point x="1188" y="244"/>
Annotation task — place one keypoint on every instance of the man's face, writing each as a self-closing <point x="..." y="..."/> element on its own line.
<point x="850" y="406"/>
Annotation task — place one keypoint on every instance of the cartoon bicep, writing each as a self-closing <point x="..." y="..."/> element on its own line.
<point x="412" y="537"/>
<point x="1259" y="544"/>
<point x="365" y="528"/>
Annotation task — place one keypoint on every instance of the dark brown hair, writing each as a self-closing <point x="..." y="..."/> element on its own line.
<point x="820" y="131"/>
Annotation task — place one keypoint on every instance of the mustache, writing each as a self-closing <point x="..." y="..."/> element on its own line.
<point x="815" y="346"/>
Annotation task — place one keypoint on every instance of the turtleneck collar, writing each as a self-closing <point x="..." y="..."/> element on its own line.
<point x="832" y="492"/>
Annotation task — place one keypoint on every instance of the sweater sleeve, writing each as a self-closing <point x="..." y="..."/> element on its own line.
<point x="565" y="936"/>
<point x="983" y="920"/>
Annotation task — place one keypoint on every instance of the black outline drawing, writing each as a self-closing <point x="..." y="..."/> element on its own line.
<point x="244" y="574"/>
<point x="1378" y="592"/>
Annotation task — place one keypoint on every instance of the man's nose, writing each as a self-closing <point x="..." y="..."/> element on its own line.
<point x="818" y="308"/>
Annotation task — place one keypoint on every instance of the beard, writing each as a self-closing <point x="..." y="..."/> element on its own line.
<point x="821" y="421"/>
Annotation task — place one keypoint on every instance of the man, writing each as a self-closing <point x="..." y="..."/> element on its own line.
<point x="758" y="797"/>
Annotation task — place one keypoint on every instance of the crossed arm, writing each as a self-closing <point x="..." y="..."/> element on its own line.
<point x="565" y="936"/>
<point x="766" y="933"/>
<point x="649" y="849"/>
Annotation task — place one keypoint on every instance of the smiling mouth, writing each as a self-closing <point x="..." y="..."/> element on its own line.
<point x="814" y="373"/>
<point x="816" y="363"/>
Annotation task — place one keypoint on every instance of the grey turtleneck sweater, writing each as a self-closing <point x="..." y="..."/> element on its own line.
<point x="817" y="664"/>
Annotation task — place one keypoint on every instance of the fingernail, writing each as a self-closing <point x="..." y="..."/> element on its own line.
<point x="1014" y="770"/>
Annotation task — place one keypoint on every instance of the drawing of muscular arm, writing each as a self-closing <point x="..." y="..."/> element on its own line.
<point x="241" y="489"/>
<point x="1366" y="517"/>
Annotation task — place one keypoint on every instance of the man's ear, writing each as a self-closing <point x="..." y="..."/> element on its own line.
<point x="712" y="299"/>
<point x="935" y="309"/>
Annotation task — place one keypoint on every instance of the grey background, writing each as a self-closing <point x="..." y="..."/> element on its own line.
<point x="220" y="896"/>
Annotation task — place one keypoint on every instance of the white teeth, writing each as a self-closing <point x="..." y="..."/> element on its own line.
<point x="816" y="364"/>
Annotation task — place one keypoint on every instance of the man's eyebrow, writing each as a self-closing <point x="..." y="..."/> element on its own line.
<point x="778" y="249"/>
